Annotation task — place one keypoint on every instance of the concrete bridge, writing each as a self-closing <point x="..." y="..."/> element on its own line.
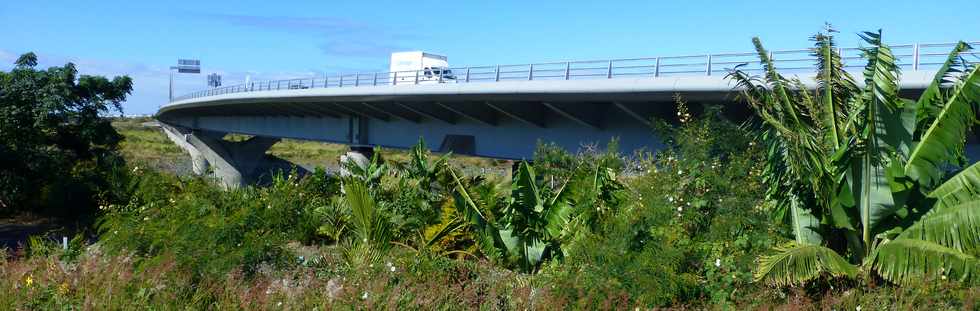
<point x="499" y="111"/>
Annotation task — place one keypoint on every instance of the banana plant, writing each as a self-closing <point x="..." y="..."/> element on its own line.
<point x="528" y="229"/>
<point x="419" y="166"/>
<point x="864" y="174"/>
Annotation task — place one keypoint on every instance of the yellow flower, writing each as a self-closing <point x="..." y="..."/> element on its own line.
<point x="63" y="288"/>
<point x="28" y="281"/>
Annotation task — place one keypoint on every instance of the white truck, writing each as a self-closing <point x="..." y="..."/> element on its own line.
<point x="417" y="67"/>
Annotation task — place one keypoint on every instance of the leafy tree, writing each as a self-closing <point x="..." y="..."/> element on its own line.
<point x="58" y="150"/>
<point x="859" y="172"/>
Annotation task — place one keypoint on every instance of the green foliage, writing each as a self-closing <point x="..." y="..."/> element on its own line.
<point x="851" y="166"/>
<point x="58" y="149"/>
<point x="795" y="264"/>
<point x="371" y="228"/>
<point x="687" y="229"/>
<point x="207" y="230"/>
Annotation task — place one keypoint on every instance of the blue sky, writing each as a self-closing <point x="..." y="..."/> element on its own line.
<point x="282" y="39"/>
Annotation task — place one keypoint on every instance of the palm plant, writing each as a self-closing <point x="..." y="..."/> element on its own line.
<point x="859" y="172"/>
<point x="369" y="225"/>
<point x="419" y="166"/>
<point x="529" y="227"/>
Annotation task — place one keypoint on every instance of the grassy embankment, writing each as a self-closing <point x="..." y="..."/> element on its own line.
<point x="147" y="144"/>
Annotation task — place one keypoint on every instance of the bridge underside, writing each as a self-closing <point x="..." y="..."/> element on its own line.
<point x="507" y="127"/>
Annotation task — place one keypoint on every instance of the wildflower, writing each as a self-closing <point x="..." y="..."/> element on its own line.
<point x="858" y="308"/>
<point x="29" y="281"/>
<point x="364" y="296"/>
<point x="279" y="304"/>
<point x="944" y="277"/>
<point x="393" y="270"/>
<point x="718" y="262"/>
<point x="670" y="199"/>
<point x="680" y="172"/>
<point x="680" y="209"/>
<point x="63" y="288"/>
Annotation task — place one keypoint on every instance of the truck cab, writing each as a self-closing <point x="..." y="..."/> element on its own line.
<point x="417" y="67"/>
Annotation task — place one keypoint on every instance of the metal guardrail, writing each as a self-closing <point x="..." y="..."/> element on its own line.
<point x="910" y="56"/>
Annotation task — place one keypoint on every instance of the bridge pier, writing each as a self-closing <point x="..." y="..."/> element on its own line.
<point x="358" y="155"/>
<point x="233" y="163"/>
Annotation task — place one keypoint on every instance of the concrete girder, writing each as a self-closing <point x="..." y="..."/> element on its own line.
<point x="345" y="110"/>
<point x="587" y="114"/>
<point x="360" y="110"/>
<point x="396" y="111"/>
<point x="428" y="113"/>
<point x="314" y="110"/>
<point x="475" y="111"/>
<point x="635" y="114"/>
<point x="523" y="112"/>
<point x="384" y="112"/>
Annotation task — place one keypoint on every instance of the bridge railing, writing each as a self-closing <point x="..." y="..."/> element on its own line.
<point x="909" y="57"/>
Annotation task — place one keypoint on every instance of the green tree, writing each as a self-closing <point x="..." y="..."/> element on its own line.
<point x="58" y="149"/>
<point x="857" y="170"/>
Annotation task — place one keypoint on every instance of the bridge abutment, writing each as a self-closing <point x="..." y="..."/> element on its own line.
<point x="234" y="163"/>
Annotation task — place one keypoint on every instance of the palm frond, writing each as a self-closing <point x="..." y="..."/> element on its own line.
<point x="963" y="187"/>
<point x="933" y="98"/>
<point x="956" y="227"/>
<point x="370" y="226"/>
<point x="906" y="261"/>
<point x="943" y="142"/>
<point x="488" y="236"/>
<point x="836" y="85"/>
<point x="795" y="264"/>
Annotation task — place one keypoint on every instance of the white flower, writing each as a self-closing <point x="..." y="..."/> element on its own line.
<point x="680" y="209"/>
<point x="718" y="263"/>
<point x="364" y="296"/>
<point x="392" y="268"/>
<point x="279" y="304"/>
<point x="858" y="308"/>
<point x="670" y="199"/>
<point x="680" y="172"/>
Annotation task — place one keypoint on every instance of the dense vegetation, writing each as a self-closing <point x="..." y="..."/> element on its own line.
<point x="57" y="149"/>
<point x="729" y="215"/>
<point x="861" y="173"/>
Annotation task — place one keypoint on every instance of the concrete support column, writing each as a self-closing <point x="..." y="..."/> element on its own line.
<point x="358" y="155"/>
<point x="233" y="163"/>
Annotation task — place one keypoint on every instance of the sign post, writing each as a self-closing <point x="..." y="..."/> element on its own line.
<point x="183" y="66"/>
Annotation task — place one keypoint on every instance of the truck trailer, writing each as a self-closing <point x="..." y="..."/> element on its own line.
<point x="418" y="67"/>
